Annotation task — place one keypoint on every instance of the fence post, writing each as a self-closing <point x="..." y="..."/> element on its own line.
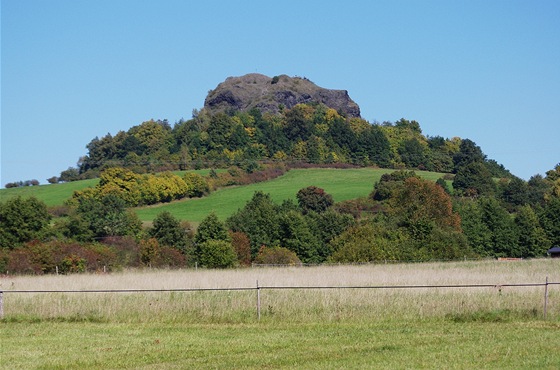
<point x="1" y="305"/>
<point x="545" y="297"/>
<point x="258" y="301"/>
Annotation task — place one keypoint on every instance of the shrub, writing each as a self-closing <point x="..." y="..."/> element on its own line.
<point x="216" y="254"/>
<point x="276" y="256"/>
<point x="242" y="246"/>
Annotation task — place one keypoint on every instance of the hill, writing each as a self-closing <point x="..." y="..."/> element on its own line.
<point x="272" y="95"/>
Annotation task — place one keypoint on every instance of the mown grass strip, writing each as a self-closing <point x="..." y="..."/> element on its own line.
<point x="394" y="344"/>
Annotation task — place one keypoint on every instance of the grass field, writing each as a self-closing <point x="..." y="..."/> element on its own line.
<point x="52" y="195"/>
<point x="343" y="328"/>
<point x="56" y="194"/>
<point x="342" y="184"/>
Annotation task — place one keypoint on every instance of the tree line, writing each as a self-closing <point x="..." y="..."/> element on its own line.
<point x="310" y="133"/>
<point x="476" y="210"/>
<point x="405" y="218"/>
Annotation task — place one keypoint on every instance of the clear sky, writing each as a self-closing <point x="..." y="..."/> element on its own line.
<point x="484" y="70"/>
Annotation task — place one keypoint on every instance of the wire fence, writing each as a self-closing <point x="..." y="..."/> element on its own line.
<point x="259" y="288"/>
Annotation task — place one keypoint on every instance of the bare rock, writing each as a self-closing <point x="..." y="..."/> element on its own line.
<point x="271" y="95"/>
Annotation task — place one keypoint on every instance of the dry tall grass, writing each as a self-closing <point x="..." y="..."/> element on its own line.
<point x="289" y="304"/>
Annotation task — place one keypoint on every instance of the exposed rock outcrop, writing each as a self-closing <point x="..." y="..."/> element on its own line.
<point x="273" y="94"/>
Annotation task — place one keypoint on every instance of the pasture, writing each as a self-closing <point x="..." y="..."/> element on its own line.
<point x="490" y="327"/>
<point x="342" y="184"/>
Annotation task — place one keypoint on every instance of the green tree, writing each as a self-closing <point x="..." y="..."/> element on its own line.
<point x="299" y="124"/>
<point x="22" y="220"/>
<point x="468" y="153"/>
<point x="389" y="183"/>
<point x="314" y="199"/>
<point x="550" y="220"/>
<point x="503" y="233"/>
<point x="532" y="241"/>
<point x="215" y="253"/>
<point x="296" y="235"/>
<point x="258" y="219"/>
<point x="413" y="154"/>
<point x="474" y="179"/>
<point x="368" y="242"/>
<point x="108" y="216"/>
<point x="197" y="185"/>
<point x="211" y="228"/>
<point x="515" y="192"/>
<point x="168" y="231"/>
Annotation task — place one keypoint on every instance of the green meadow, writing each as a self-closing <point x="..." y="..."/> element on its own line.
<point x="342" y="184"/>
<point x="52" y="194"/>
<point x="57" y="194"/>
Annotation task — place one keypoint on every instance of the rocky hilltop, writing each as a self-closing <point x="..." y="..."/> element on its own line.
<point x="255" y="90"/>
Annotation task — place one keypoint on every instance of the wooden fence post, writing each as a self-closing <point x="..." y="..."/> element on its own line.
<point x="1" y="305"/>
<point x="545" y="297"/>
<point x="258" y="301"/>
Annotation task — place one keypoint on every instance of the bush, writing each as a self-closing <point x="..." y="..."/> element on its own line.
<point x="216" y="254"/>
<point x="276" y="256"/>
<point x="242" y="246"/>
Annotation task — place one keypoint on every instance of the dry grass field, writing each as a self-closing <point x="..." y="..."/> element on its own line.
<point x="495" y="327"/>
<point x="293" y="304"/>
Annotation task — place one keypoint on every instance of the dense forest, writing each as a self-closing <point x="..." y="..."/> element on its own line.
<point x="477" y="209"/>
<point x="311" y="133"/>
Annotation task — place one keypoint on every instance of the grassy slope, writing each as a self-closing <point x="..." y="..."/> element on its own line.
<point x="342" y="184"/>
<point x="56" y="194"/>
<point x="52" y="195"/>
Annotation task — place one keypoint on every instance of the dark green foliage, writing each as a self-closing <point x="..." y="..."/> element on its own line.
<point x="211" y="228"/>
<point x="215" y="253"/>
<point x="372" y="145"/>
<point x="474" y="179"/>
<point x="533" y="241"/>
<point x="22" y="220"/>
<point x="168" y="231"/>
<point x="106" y="216"/>
<point x="489" y="228"/>
<point x="389" y="182"/>
<point x="441" y="182"/>
<point x="468" y="153"/>
<point x="413" y="154"/>
<point x="537" y="189"/>
<point x="296" y="235"/>
<point x="258" y="220"/>
<point x="515" y="192"/>
<point x="550" y="220"/>
<point x="314" y="199"/>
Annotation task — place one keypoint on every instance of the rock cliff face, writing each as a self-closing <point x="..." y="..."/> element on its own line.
<point x="272" y="94"/>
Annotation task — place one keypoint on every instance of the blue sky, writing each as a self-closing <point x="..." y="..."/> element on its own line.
<point x="484" y="70"/>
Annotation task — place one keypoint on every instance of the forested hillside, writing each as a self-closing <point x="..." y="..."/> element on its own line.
<point x="486" y="212"/>
<point x="309" y="133"/>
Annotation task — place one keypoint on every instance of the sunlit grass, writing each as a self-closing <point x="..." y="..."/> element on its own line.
<point x="451" y="328"/>
<point x="297" y="304"/>
<point x="342" y="184"/>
